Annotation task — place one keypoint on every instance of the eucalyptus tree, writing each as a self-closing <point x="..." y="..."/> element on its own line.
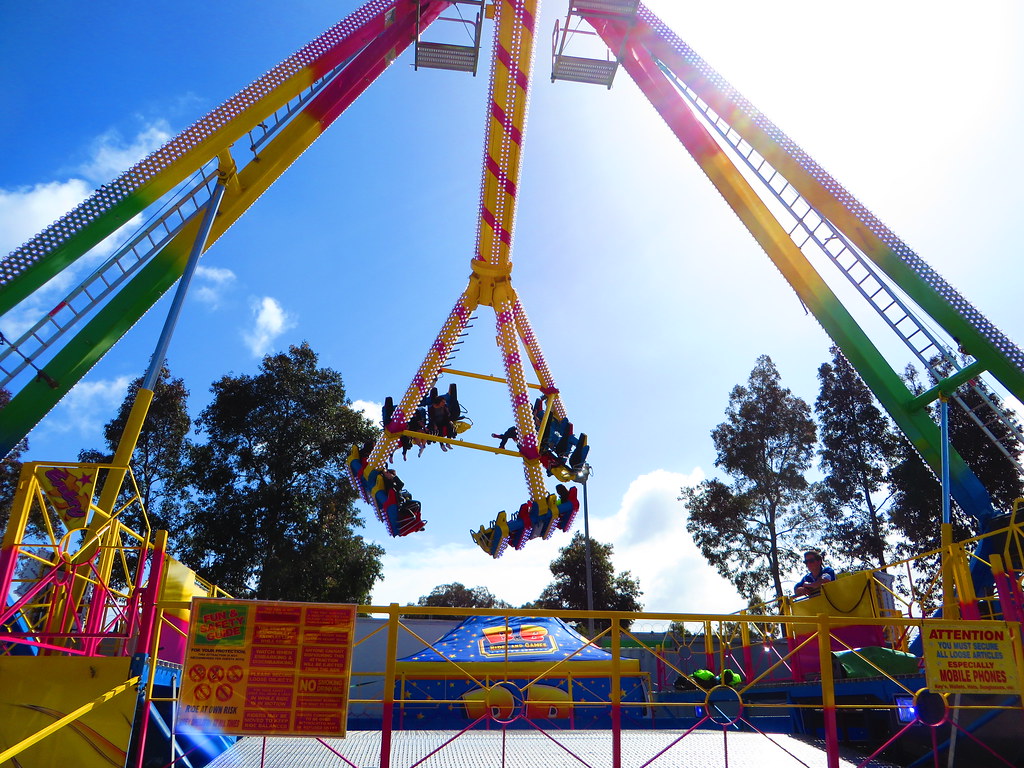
<point x="752" y="527"/>
<point x="859" y="447"/>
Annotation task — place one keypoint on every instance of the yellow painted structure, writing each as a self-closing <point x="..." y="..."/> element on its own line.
<point x="37" y="692"/>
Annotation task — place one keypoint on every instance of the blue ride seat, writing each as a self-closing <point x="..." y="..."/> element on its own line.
<point x="354" y="461"/>
<point x="541" y="520"/>
<point x="482" y="538"/>
<point x="493" y="540"/>
<point x="405" y="517"/>
<point x="373" y="479"/>
<point x="552" y="515"/>
<point x="516" y="530"/>
<point x="373" y="482"/>
<point x="579" y="454"/>
<point x="568" y="506"/>
<point x="533" y="520"/>
<point x="538" y="411"/>
<point x="394" y="507"/>
<point x="566" y="441"/>
<point x="387" y="505"/>
<point x="520" y="529"/>
<point x="499" y="541"/>
<point x="354" y="465"/>
<point x="451" y="398"/>
<point x="428" y="400"/>
<point x="555" y="433"/>
<point x="384" y="496"/>
<point x="454" y="408"/>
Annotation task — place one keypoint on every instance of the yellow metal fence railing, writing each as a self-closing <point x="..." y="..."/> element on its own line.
<point x="426" y="716"/>
<point x="629" y="700"/>
<point x="867" y="664"/>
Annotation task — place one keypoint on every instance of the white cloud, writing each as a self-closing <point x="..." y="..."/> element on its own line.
<point x="369" y="408"/>
<point x="23" y="213"/>
<point x="42" y="205"/>
<point x="651" y="541"/>
<point x="211" y="283"/>
<point x="270" y="322"/>
<point x="111" y="155"/>
<point x="86" y="408"/>
<point x="517" y="577"/>
<point x="649" y="536"/>
<point x="27" y="210"/>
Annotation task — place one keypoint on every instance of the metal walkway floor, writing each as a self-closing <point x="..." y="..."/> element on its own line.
<point x="532" y="749"/>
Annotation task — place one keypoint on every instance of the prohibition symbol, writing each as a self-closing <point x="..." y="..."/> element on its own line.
<point x="216" y="673"/>
<point x="225" y="692"/>
<point x="202" y="692"/>
<point x="196" y="672"/>
<point x="235" y="673"/>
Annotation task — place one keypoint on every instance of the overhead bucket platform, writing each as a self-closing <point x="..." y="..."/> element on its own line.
<point x="609" y="9"/>
<point x="450" y="55"/>
<point x="583" y="69"/>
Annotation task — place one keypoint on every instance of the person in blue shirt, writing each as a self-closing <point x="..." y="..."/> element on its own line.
<point x="818" y="574"/>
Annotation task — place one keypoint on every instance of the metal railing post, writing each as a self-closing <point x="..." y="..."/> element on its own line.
<point x="388" y="699"/>
<point x="828" y="691"/>
<point x="149" y="635"/>
<point x="616" y="694"/>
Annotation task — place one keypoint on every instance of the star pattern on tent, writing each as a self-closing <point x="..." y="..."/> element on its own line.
<point x="524" y="638"/>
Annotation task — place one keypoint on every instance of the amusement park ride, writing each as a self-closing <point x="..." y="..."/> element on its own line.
<point x="85" y="596"/>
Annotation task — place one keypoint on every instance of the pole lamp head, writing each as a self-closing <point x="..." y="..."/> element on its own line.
<point x="582" y="474"/>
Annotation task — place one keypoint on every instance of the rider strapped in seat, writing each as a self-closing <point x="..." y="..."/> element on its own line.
<point x="394" y="506"/>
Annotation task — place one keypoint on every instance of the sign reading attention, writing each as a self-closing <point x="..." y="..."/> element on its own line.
<point x="963" y="657"/>
<point x="255" y="668"/>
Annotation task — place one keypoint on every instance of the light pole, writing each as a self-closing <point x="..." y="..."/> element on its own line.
<point x="582" y="476"/>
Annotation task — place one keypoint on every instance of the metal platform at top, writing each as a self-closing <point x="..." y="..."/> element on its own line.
<point x="529" y="749"/>
<point x="581" y="69"/>
<point x="578" y="69"/>
<point x="457" y="57"/>
<point x="614" y="9"/>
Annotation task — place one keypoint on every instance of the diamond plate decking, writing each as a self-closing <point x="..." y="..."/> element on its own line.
<point x="530" y="749"/>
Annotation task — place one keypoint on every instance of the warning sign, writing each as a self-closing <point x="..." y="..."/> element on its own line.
<point x="969" y="657"/>
<point x="257" y="668"/>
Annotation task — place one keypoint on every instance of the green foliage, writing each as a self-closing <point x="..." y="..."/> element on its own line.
<point x="750" y="529"/>
<point x="10" y="470"/>
<point x="456" y="595"/>
<point x="612" y="591"/>
<point x="678" y="631"/>
<point x="917" y="504"/>
<point x="917" y="492"/>
<point x="994" y="469"/>
<point x="158" y="460"/>
<point x="858" y="448"/>
<point x="273" y="516"/>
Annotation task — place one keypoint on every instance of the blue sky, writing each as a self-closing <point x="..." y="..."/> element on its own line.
<point x="649" y="298"/>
